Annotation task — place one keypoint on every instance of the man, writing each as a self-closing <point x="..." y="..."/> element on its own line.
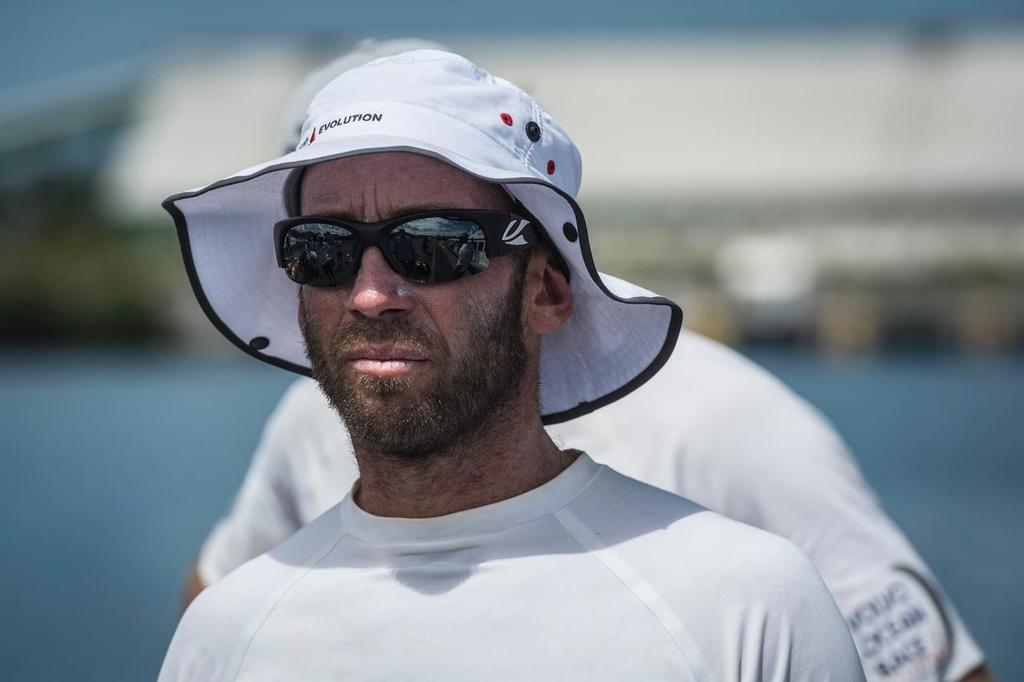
<point x="472" y="546"/>
<point x="710" y="426"/>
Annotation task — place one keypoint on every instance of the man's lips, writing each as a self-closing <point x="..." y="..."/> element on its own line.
<point x="387" y="368"/>
<point x="385" y="362"/>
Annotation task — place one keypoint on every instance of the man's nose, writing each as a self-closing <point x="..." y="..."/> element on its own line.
<point x="378" y="290"/>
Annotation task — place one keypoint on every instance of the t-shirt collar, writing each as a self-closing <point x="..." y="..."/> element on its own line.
<point x="490" y="518"/>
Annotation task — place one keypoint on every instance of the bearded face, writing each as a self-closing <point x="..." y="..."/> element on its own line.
<point x="412" y="416"/>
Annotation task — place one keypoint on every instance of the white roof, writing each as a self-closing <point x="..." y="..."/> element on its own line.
<point x="655" y="116"/>
<point x="793" y="114"/>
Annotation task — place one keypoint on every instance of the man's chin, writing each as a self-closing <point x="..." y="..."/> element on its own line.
<point x="389" y="416"/>
<point x="388" y="388"/>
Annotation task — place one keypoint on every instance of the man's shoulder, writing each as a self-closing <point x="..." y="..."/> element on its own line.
<point x="727" y="584"/>
<point x="214" y="626"/>
<point x="297" y="553"/>
<point x="623" y="510"/>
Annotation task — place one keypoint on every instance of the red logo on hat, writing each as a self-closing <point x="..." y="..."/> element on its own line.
<point x="551" y="167"/>
<point x="506" y="119"/>
<point x="312" y="135"/>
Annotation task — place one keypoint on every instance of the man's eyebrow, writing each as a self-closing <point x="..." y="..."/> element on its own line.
<point x="390" y="212"/>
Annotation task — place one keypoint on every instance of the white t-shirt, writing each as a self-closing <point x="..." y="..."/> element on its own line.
<point x="710" y="426"/>
<point x="592" y="576"/>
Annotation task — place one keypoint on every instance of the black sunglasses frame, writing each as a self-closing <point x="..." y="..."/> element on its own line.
<point x="502" y="233"/>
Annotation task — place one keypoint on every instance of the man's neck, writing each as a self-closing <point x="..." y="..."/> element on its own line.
<point x="493" y="464"/>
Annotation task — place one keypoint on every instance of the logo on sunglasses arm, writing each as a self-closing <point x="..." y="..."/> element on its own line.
<point x="513" y="235"/>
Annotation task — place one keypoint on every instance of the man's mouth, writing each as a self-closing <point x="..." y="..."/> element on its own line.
<point x="382" y="361"/>
<point x="387" y="368"/>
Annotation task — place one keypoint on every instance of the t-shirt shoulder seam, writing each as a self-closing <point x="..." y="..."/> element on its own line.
<point x="325" y="550"/>
<point x="598" y="472"/>
<point x="682" y="640"/>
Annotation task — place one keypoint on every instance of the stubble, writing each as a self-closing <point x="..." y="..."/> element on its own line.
<point x="394" y="417"/>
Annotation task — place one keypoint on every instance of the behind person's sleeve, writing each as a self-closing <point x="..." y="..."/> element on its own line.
<point x="264" y="511"/>
<point x="789" y="473"/>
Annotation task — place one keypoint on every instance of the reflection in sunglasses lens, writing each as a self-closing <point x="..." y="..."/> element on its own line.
<point x="437" y="249"/>
<point x="319" y="255"/>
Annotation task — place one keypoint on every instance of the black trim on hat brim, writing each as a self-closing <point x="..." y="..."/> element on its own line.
<point x="181" y="226"/>
<point x="672" y="335"/>
<point x="586" y="407"/>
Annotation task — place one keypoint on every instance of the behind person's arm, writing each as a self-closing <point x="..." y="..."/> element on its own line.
<point x="275" y="499"/>
<point x="784" y="469"/>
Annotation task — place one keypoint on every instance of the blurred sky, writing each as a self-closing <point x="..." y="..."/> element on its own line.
<point x="43" y="42"/>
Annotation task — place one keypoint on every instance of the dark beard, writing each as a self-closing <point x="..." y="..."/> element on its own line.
<point x="452" y="408"/>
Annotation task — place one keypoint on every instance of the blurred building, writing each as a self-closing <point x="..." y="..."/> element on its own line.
<point x="850" y="189"/>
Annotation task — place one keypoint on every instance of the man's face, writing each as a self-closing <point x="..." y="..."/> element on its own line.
<point x="411" y="368"/>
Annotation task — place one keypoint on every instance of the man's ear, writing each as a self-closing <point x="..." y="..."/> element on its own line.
<point x="547" y="293"/>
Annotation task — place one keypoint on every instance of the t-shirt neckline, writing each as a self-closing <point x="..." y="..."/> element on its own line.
<point x="491" y="518"/>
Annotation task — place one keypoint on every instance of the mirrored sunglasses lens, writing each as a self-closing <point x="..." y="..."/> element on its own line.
<point x="319" y="255"/>
<point x="437" y="249"/>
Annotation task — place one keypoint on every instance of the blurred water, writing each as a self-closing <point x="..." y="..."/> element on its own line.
<point x="115" y="464"/>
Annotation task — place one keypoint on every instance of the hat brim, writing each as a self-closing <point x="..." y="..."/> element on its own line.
<point x="617" y="337"/>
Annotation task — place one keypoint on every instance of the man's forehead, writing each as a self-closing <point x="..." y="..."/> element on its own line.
<point x="379" y="186"/>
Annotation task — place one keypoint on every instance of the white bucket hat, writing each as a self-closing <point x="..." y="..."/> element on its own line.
<point x="293" y="119"/>
<point x="442" y="105"/>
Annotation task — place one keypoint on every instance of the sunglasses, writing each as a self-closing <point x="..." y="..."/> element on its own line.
<point x="426" y="248"/>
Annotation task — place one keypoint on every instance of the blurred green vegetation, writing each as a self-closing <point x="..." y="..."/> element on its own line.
<point x="68" y="275"/>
